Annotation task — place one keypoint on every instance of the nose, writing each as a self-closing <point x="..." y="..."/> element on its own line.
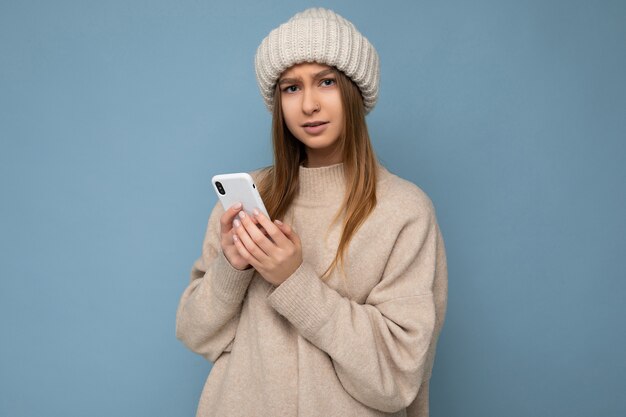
<point x="310" y="103"/>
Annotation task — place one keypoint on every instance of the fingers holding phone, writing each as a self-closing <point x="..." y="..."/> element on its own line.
<point x="226" y="238"/>
<point x="276" y="255"/>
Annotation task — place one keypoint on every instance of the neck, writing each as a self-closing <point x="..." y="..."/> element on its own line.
<point x="316" y="158"/>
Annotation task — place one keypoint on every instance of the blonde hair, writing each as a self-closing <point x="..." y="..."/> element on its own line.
<point x="279" y="186"/>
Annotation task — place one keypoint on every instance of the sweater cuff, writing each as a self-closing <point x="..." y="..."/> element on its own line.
<point x="305" y="300"/>
<point x="229" y="284"/>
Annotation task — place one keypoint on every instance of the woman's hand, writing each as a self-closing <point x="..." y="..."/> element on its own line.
<point x="226" y="238"/>
<point x="275" y="252"/>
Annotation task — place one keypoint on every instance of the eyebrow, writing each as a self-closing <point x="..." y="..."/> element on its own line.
<point x="315" y="76"/>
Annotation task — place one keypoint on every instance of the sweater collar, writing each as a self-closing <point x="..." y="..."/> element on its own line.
<point x="322" y="184"/>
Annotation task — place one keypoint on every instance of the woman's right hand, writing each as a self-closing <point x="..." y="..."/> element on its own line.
<point x="226" y="240"/>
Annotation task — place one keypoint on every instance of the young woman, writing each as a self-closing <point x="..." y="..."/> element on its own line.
<point x="336" y="310"/>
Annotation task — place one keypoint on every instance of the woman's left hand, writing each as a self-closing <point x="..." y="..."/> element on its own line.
<point x="276" y="258"/>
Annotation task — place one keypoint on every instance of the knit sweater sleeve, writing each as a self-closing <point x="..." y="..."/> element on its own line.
<point x="379" y="349"/>
<point x="209" y="308"/>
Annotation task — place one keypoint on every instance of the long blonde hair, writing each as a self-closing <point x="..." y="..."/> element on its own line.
<point x="279" y="186"/>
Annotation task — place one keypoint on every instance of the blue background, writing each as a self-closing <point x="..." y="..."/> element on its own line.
<point x="114" y="115"/>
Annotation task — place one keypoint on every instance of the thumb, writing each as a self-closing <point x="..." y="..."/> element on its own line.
<point x="288" y="231"/>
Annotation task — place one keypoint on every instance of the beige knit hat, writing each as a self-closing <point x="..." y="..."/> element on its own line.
<point x="322" y="36"/>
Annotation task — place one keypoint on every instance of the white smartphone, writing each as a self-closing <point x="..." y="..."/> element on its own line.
<point x="238" y="188"/>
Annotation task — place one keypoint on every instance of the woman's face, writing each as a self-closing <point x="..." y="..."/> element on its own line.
<point x="309" y="94"/>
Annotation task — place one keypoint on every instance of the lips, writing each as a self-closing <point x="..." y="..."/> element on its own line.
<point x="313" y="124"/>
<point x="315" y="129"/>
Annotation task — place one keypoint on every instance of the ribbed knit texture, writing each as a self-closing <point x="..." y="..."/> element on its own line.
<point x="322" y="186"/>
<point x="322" y="36"/>
<point x="362" y="344"/>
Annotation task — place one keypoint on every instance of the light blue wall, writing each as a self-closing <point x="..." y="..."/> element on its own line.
<point x="114" y="115"/>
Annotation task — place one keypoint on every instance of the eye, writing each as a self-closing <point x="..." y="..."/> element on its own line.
<point x="290" y="89"/>
<point x="328" y="82"/>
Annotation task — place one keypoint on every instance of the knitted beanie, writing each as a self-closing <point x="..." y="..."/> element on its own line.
<point x="322" y="36"/>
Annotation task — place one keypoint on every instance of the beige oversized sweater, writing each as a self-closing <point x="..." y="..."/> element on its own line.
<point x="360" y="345"/>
